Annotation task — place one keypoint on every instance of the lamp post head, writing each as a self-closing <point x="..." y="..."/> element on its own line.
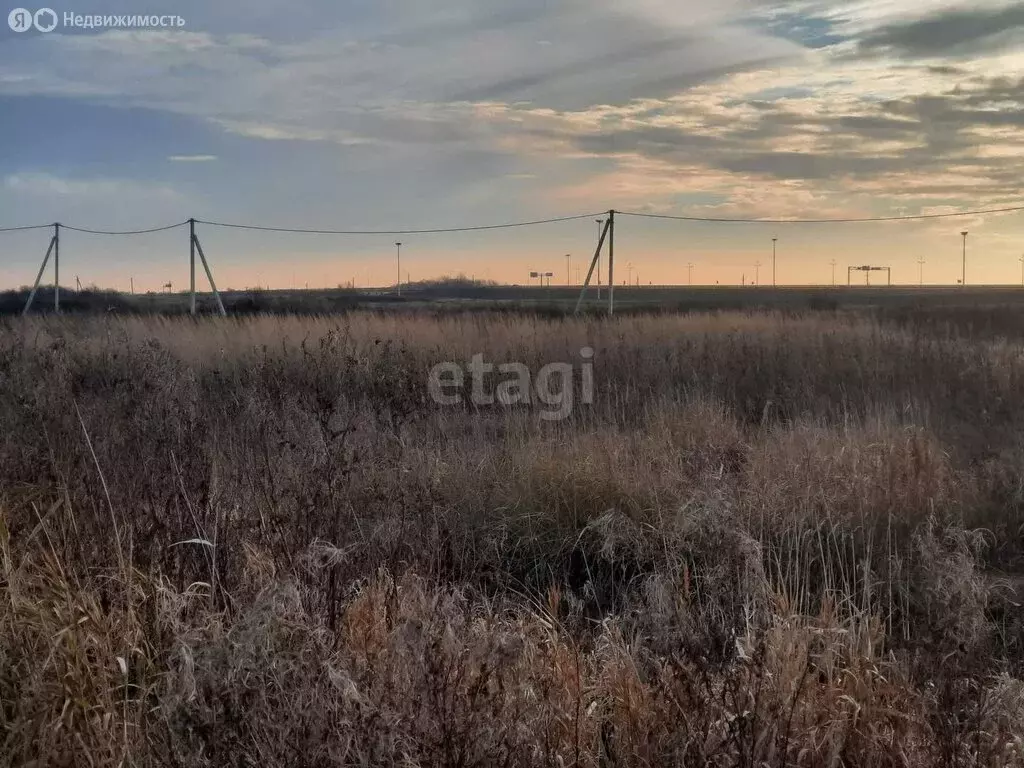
<point x="964" y="233"/>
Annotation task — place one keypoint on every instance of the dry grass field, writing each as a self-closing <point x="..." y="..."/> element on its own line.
<point x="771" y="540"/>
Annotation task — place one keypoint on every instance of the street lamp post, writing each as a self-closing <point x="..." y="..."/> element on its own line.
<point x="757" y="273"/>
<point x="568" y="269"/>
<point x="833" y="263"/>
<point x="775" y="242"/>
<point x="963" y="271"/>
<point x="399" y="247"/>
<point x="1021" y="260"/>
<point x="689" y="269"/>
<point x="920" y="266"/>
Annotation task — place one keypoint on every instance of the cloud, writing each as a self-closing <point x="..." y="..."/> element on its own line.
<point x="956" y="32"/>
<point x="387" y="74"/>
<point x="810" y="99"/>
<point x="192" y="158"/>
<point x="45" y="185"/>
<point x="868" y="138"/>
<point x="95" y="202"/>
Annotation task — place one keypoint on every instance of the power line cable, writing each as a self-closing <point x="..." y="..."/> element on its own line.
<point x="25" y="229"/>
<point x="128" y="232"/>
<point x="820" y="221"/>
<point x="538" y="222"/>
<point x="398" y="231"/>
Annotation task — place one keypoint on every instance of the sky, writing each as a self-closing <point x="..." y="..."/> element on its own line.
<point x="400" y="114"/>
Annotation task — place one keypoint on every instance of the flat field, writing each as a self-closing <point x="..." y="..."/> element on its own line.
<point x="760" y="538"/>
<point x="557" y="300"/>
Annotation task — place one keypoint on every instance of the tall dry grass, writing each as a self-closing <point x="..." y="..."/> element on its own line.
<point x="769" y="541"/>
